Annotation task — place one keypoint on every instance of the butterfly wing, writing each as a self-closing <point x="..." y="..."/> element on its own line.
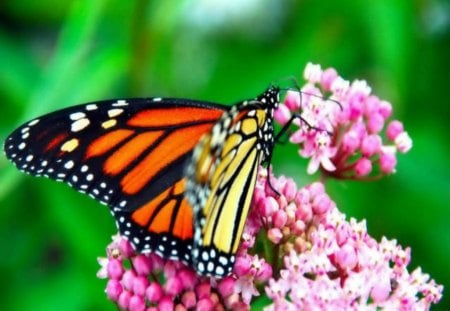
<point x="221" y="178"/>
<point x="127" y="154"/>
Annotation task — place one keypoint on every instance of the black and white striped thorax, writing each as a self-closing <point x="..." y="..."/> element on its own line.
<point x="268" y="101"/>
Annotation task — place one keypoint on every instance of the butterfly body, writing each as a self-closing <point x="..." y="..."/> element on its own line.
<point x="158" y="163"/>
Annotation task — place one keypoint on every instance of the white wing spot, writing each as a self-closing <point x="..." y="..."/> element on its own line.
<point x="157" y="99"/>
<point x="114" y="112"/>
<point x="80" y="125"/>
<point x="22" y="146"/>
<point x="120" y="103"/>
<point x="84" y="168"/>
<point x="219" y="270"/>
<point x="205" y="256"/>
<point x="29" y="158"/>
<point x="34" y="122"/>
<point x="89" y="177"/>
<point x="91" y="107"/>
<point x="77" y="116"/>
<point x="69" y="164"/>
<point x="223" y="260"/>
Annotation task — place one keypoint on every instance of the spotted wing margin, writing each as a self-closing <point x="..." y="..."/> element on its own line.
<point x="220" y="187"/>
<point x="128" y="154"/>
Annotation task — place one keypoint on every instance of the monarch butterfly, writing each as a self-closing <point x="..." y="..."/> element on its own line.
<point x="177" y="174"/>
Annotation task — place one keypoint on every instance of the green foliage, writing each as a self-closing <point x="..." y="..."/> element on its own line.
<point x="56" y="55"/>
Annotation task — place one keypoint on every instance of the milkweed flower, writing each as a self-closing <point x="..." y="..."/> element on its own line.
<point x="297" y="248"/>
<point x="342" y="129"/>
<point x="327" y="260"/>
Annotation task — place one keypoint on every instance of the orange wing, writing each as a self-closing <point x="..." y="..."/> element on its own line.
<point x="129" y="155"/>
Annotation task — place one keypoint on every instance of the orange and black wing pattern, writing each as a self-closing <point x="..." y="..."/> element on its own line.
<point x="177" y="174"/>
<point x="127" y="154"/>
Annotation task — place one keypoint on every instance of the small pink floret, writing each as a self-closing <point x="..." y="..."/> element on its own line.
<point x="282" y="114"/>
<point x="375" y="123"/>
<point x="205" y="304"/>
<point x="292" y="100"/>
<point x="371" y="145"/>
<point x="203" y="290"/>
<point x="279" y="218"/>
<point x="140" y="285"/>
<point x="128" y="279"/>
<point x="124" y="299"/>
<point x="113" y="289"/>
<point x="173" y="285"/>
<point x="394" y="128"/>
<point x="189" y="299"/>
<point x="115" y="268"/>
<point x="388" y="161"/>
<point x="142" y="264"/>
<point x="363" y="167"/>
<point x="346" y="257"/>
<point x="328" y="77"/>
<point x="166" y="303"/>
<point x="136" y="303"/>
<point x="154" y="292"/>
<point x="380" y="292"/>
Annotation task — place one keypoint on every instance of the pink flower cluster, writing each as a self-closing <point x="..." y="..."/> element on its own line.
<point x="342" y="126"/>
<point x="328" y="262"/>
<point x="139" y="282"/>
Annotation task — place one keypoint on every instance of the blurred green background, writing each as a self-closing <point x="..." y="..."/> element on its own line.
<point x="57" y="54"/>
